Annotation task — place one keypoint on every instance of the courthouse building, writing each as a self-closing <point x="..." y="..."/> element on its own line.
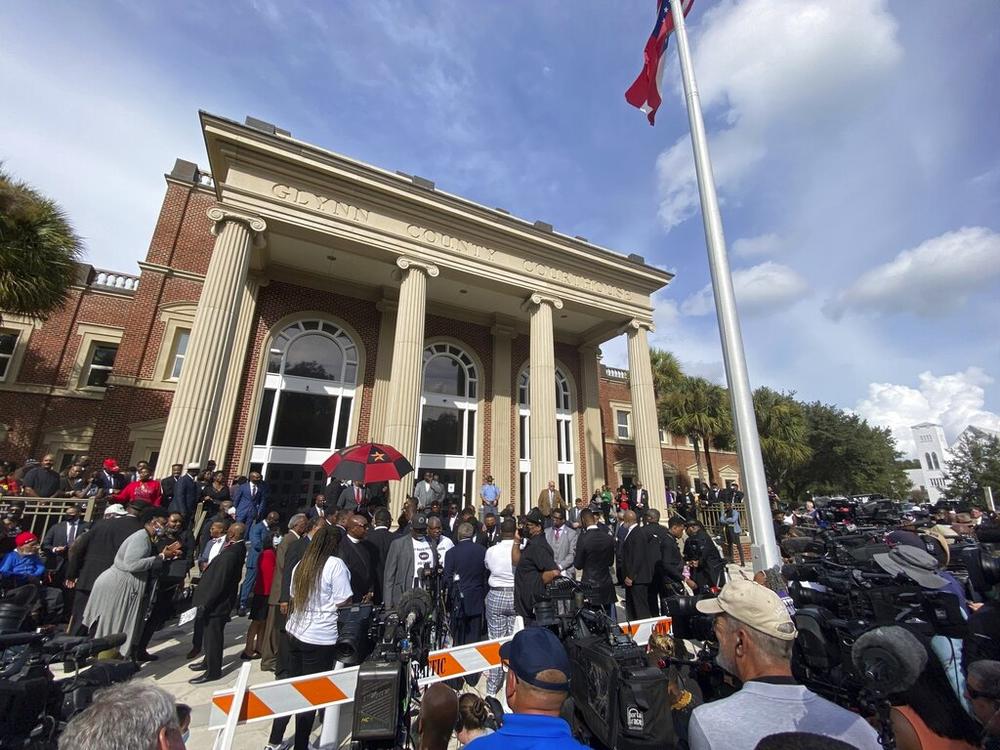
<point x="294" y="301"/>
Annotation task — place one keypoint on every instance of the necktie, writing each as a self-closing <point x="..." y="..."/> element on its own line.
<point x="357" y="495"/>
<point x="253" y="490"/>
<point x="557" y="535"/>
<point x="70" y="535"/>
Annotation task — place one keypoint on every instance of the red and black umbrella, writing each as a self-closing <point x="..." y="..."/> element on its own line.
<point x="368" y="462"/>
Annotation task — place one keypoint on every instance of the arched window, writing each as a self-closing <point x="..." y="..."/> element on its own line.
<point x="935" y="458"/>
<point x="565" y="465"/>
<point x="927" y="459"/>
<point x="449" y="405"/>
<point x="305" y="407"/>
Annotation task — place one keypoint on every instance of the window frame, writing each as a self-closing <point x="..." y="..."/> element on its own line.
<point x="92" y="336"/>
<point x="23" y="326"/>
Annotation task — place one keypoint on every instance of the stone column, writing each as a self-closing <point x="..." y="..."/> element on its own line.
<point x="194" y="412"/>
<point x="648" y="457"/>
<point x="219" y="447"/>
<point x="383" y="370"/>
<point x="593" y="440"/>
<point x="502" y="458"/>
<point x="402" y="428"/>
<point x="542" y="392"/>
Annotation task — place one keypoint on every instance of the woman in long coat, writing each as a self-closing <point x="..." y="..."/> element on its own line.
<point x="117" y="602"/>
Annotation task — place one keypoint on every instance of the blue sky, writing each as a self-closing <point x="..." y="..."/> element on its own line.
<point x="856" y="144"/>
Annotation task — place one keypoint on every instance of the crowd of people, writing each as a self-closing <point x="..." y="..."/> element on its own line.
<point x="194" y="540"/>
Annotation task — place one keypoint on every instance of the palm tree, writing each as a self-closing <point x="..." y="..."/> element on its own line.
<point x="667" y="373"/>
<point x="781" y="425"/>
<point x="38" y="251"/>
<point x="700" y="409"/>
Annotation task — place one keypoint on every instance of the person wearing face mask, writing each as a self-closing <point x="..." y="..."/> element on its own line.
<point x="118" y="600"/>
<point x="756" y="635"/>
<point x="407" y="555"/>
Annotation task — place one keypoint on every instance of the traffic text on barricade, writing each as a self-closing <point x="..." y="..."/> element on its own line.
<point x="270" y="700"/>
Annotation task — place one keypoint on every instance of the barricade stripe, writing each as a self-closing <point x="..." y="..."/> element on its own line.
<point x="320" y="690"/>
<point x="292" y="695"/>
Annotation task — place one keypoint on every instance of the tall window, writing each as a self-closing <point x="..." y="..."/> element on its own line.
<point x="927" y="458"/>
<point x="8" y="343"/>
<point x="565" y="467"/>
<point x="935" y="459"/>
<point x="622" y="427"/>
<point x="309" y="390"/>
<point x="180" y="351"/>
<point x="100" y="365"/>
<point x="448" y="412"/>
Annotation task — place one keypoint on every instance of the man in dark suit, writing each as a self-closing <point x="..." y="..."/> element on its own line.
<point x="352" y="498"/>
<point x="186" y="493"/>
<point x="94" y="552"/>
<point x="595" y="552"/>
<point x="668" y="567"/>
<point x="60" y="537"/>
<point x="490" y="533"/>
<point x="380" y="538"/>
<point x="359" y="557"/>
<point x="637" y="563"/>
<point x="621" y="531"/>
<point x="465" y="574"/>
<point x="251" y="499"/>
<point x="109" y="479"/>
<point x="167" y="484"/>
<point x="318" y="508"/>
<point x="703" y="557"/>
<point x="638" y="500"/>
<point x="215" y="596"/>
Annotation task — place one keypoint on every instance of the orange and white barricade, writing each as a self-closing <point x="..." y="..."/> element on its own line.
<point x="271" y="700"/>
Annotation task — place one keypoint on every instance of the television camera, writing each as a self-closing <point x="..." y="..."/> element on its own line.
<point x="34" y="706"/>
<point x="616" y="699"/>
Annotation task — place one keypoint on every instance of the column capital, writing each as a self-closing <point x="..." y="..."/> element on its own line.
<point x="405" y="263"/>
<point x="537" y="299"/>
<point x="636" y="325"/>
<point x="221" y="214"/>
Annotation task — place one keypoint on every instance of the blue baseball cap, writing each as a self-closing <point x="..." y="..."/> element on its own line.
<point x="533" y="650"/>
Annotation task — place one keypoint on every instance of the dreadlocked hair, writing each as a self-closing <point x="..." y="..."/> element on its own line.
<point x="322" y="547"/>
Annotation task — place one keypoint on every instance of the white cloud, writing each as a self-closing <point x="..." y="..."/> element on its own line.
<point x="698" y="352"/>
<point x="776" y="65"/>
<point x="759" y="289"/>
<point x="935" y="275"/>
<point x="954" y="401"/>
<point x="759" y="246"/>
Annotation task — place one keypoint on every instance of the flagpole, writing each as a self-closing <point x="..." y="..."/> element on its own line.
<point x="765" y="548"/>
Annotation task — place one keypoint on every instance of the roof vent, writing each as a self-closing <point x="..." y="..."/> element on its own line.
<point x="636" y="258"/>
<point x="580" y="237"/>
<point x="264" y="126"/>
<point x="542" y="226"/>
<point x="502" y="210"/>
<point x="422" y="182"/>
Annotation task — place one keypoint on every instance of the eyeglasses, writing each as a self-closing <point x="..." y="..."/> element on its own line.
<point x="505" y="665"/>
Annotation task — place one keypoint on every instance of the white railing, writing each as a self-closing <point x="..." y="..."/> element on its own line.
<point x="615" y="373"/>
<point x="114" y="280"/>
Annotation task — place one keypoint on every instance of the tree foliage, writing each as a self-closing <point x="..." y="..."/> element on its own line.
<point x="847" y="455"/>
<point x="975" y="465"/>
<point x="698" y="408"/>
<point x="781" y="425"/>
<point x="38" y="251"/>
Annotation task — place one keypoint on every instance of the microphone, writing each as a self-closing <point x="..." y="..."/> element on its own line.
<point x="414" y="606"/>
<point x="891" y="659"/>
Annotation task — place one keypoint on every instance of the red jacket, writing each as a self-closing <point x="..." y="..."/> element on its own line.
<point x="149" y="491"/>
<point x="265" y="572"/>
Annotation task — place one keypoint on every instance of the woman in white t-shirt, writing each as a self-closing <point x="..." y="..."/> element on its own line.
<point x="320" y="584"/>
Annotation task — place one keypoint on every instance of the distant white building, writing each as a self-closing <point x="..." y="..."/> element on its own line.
<point x="933" y="452"/>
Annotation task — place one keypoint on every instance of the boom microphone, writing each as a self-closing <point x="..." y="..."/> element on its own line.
<point x="890" y="658"/>
<point x="413" y="607"/>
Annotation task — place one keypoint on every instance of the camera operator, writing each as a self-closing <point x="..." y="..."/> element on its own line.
<point x="756" y="635"/>
<point x="703" y="558"/>
<point x="534" y="566"/>
<point x="538" y="672"/>
<point x="595" y="553"/>
<point x="465" y="574"/>
<point x="668" y="571"/>
<point x="125" y="716"/>
<point x="983" y="691"/>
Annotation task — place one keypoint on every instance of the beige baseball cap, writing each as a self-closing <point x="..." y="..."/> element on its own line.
<point x="753" y="605"/>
